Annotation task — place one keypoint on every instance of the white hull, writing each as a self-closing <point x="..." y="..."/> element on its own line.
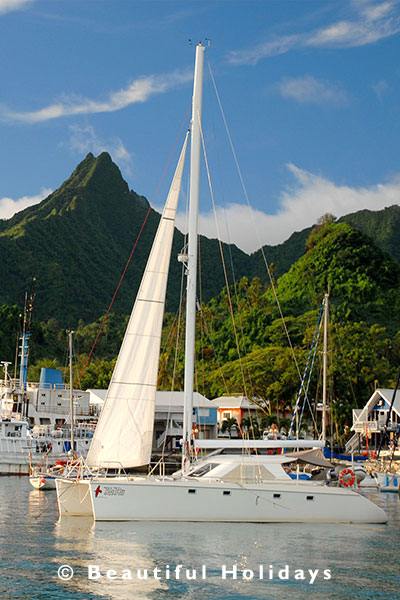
<point x="73" y="497"/>
<point x="18" y="453"/>
<point x="120" y="499"/>
<point x="388" y="482"/>
<point x="368" y="482"/>
<point x="43" y="482"/>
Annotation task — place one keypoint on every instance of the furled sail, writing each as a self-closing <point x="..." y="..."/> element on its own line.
<point x="124" y="432"/>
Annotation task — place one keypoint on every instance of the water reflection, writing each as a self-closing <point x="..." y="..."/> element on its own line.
<point x="34" y="543"/>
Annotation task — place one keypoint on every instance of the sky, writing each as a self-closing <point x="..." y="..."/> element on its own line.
<point x="301" y="112"/>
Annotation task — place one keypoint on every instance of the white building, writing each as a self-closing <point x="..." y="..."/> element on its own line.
<point x="369" y="422"/>
<point x="168" y="422"/>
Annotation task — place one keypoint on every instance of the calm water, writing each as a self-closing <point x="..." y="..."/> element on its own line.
<point x="363" y="560"/>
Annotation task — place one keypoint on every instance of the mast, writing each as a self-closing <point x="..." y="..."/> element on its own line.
<point x="325" y="366"/>
<point x="71" y="392"/>
<point x="192" y="255"/>
<point x="25" y="335"/>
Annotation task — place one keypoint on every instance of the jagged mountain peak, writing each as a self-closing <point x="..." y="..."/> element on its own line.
<point x="98" y="173"/>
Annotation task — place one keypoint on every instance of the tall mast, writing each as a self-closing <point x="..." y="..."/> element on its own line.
<point x="325" y="367"/>
<point x="25" y="335"/>
<point x="192" y="255"/>
<point x="71" y="392"/>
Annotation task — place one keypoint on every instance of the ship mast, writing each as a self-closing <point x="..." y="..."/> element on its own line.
<point x="71" y="392"/>
<point x="325" y="367"/>
<point x="192" y="256"/>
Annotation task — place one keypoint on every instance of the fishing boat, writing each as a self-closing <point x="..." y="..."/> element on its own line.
<point x="236" y="481"/>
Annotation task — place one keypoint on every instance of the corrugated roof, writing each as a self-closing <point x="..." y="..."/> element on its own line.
<point x="233" y="402"/>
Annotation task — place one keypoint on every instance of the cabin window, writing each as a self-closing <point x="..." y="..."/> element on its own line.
<point x="226" y="493"/>
<point x="277" y="495"/>
<point x="191" y="491"/>
<point x="310" y="497"/>
<point x="203" y="470"/>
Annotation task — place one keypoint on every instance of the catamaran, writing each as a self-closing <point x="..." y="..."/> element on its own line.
<point x="235" y="482"/>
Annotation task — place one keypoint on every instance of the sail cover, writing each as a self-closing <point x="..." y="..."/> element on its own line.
<point x="124" y="433"/>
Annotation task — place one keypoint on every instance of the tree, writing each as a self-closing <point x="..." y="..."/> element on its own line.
<point x="228" y="425"/>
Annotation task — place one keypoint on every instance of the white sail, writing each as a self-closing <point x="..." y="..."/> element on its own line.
<point x="124" y="433"/>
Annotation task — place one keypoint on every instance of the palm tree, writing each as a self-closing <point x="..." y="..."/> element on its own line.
<point x="228" y="425"/>
<point x="251" y="426"/>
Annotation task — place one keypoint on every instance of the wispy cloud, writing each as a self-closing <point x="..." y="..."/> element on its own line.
<point x="301" y="205"/>
<point x="381" y="88"/>
<point x="373" y="21"/>
<point x="307" y="89"/>
<point x="11" y="5"/>
<point x="8" y="206"/>
<point x="85" y="139"/>
<point x="274" y="47"/>
<point x="138" y="91"/>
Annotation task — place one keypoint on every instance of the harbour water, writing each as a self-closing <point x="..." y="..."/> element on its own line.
<point x="44" y="558"/>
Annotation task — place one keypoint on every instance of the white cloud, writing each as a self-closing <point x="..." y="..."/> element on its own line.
<point x="10" y="5"/>
<point x="139" y="90"/>
<point x="381" y="88"/>
<point x="85" y="139"/>
<point x="272" y="47"/>
<point x="308" y="89"/>
<point x="373" y="21"/>
<point x="300" y="206"/>
<point x="8" y="206"/>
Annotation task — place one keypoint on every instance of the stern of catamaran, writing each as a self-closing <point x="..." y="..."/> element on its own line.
<point x="73" y="497"/>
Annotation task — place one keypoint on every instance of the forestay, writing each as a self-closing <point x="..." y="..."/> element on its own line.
<point x="124" y="432"/>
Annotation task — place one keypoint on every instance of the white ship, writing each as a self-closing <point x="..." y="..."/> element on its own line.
<point x="223" y="486"/>
<point x="35" y="423"/>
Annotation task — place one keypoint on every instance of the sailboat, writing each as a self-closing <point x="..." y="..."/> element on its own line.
<point x="45" y="478"/>
<point x="232" y="483"/>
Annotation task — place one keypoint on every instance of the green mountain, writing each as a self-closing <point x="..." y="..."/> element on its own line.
<point x="364" y="328"/>
<point x="76" y="243"/>
<point x="383" y="226"/>
<point x="363" y="280"/>
<point x="251" y="354"/>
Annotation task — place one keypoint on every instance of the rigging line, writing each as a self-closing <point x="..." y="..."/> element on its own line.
<point x="170" y="339"/>
<point x="133" y="249"/>
<point x="222" y="256"/>
<point x="253" y="222"/>
<point x="296" y="408"/>
<point x="208" y="334"/>
<point x="239" y="312"/>
<point x="306" y="398"/>
<point x="177" y="347"/>
<point x="201" y="320"/>
<point x="178" y="331"/>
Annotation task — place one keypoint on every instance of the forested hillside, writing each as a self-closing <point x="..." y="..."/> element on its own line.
<point x="249" y="352"/>
<point x="77" y="241"/>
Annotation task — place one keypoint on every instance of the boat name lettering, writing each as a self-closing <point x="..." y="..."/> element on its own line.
<point x="113" y="490"/>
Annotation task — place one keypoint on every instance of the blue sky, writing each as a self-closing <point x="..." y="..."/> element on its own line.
<point x="310" y="92"/>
